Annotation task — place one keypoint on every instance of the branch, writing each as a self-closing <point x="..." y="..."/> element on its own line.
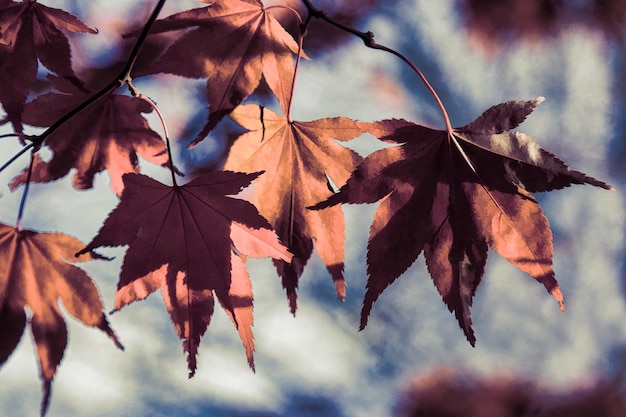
<point x="17" y="155"/>
<point x="125" y="74"/>
<point x="120" y="80"/>
<point x="38" y="140"/>
<point x="368" y="40"/>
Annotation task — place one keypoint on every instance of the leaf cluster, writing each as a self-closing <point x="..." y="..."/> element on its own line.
<point x="448" y="194"/>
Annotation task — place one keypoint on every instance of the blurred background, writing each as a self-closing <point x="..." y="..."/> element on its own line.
<point x="412" y="359"/>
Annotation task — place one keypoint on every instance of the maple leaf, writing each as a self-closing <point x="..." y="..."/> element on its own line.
<point x="31" y="31"/>
<point x="234" y="44"/>
<point x="107" y="135"/>
<point x="35" y="272"/>
<point x="298" y="158"/>
<point x="453" y="197"/>
<point x="187" y="240"/>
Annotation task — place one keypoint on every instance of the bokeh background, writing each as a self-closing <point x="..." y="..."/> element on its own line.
<point x="476" y="53"/>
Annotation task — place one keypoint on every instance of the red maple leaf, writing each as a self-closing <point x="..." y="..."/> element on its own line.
<point x="31" y="31"/>
<point x="454" y="196"/>
<point x="35" y="272"/>
<point x="188" y="240"/>
<point x="107" y="135"/>
<point x="298" y="159"/>
<point x="234" y="44"/>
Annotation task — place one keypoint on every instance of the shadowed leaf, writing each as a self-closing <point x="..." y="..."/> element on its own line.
<point x="108" y="135"/>
<point x="187" y="240"/>
<point x="234" y="44"/>
<point x="30" y="31"/>
<point x="36" y="272"/>
<point x="454" y="196"/>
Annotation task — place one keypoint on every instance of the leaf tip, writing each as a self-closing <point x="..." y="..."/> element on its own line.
<point x="105" y="327"/>
<point x="558" y="296"/>
<point x="191" y="364"/>
<point x="45" y="401"/>
<point x="363" y="322"/>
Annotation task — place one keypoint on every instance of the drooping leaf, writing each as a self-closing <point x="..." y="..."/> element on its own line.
<point x="30" y="31"/>
<point x="453" y="197"/>
<point x="107" y="135"/>
<point x="234" y="44"/>
<point x="298" y="158"/>
<point x="187" y="240"/>
<point x="35" y="272"/>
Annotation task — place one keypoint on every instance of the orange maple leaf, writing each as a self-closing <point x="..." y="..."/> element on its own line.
<point x="453" y="197"/>
<point x="235" y="44"/>
<point x="298" y="158"/>
<point x="188" y="240"/>
<point x="35" y="272"/>
<point x="107" y="135"/>
<point x="31" y="31"/>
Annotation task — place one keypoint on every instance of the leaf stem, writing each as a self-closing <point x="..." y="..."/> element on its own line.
<point x="303" y="28"/>
<point x="20" y="212"/>
<point x="170" y="163"/>
<point x="281" y="6"/>
<point x="430" y="88"/>
<point x="17" y="155"/>
<point x="368" y="40"/>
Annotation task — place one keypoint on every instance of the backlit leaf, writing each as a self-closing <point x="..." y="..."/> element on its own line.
<point x="233" y="44"/>
<point x="36" y="272"/>
<point x="454" y="196"/>
<point x="30" y="31"/>
<point x="187" y="240"/>
<point x="298" y="158"/>
<point x="108" y="135"/>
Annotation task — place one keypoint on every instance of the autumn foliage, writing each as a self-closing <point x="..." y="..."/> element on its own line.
<point x="449" y="195"/>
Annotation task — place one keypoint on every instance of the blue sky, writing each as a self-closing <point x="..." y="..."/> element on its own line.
<point x="317" y="363"/>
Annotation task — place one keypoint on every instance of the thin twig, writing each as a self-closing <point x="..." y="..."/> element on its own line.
<point x="12" y="135"/>
<point x="368" y="40"/>
<point x="17" y="155"/>
<point x="119" y="81"/>
<point x="130" y="63"/>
